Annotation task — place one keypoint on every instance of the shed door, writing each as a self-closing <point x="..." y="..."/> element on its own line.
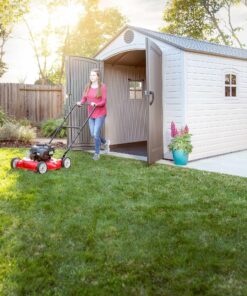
<point x="154" y="95"/>
<point x="77" y="76"/>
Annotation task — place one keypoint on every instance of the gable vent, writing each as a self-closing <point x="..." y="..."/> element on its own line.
<point x="128" y="36"/>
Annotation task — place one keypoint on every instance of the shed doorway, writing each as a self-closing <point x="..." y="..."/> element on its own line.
<point x="126" y="124"/>
<point x="134" y="91"/>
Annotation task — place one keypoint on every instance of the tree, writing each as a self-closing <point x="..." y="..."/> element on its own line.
<point x="94" y="29"/>
<point x="41" y="50"/>
<point x="11" y="11"/>
<point x="186" y="18"/>
<point x="200" y="19"/>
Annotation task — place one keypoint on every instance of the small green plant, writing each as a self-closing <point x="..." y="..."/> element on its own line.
<point x="50" y="125"/>
<point x="9" y="132"/>
<point x="181" y="139"/>
<point x="26" y="134"/>
<point x="24" y="122"/>
<point x="3" y="117"/>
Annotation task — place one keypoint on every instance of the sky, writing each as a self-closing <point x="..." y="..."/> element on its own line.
<point x="19" y="54"/>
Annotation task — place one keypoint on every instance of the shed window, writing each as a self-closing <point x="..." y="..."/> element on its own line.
<point x="136" y="89"/>
<point x="230" y="85"/>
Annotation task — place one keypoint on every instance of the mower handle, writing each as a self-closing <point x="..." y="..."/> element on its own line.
<point x="88" y="104"/>
<point x="57" y="130"/>
<point x="81" y="128"/>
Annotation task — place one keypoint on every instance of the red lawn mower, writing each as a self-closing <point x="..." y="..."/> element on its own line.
<point x="40" y="156"/>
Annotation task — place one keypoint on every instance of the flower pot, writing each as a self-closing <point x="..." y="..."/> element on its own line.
<point x="180" y="157"/>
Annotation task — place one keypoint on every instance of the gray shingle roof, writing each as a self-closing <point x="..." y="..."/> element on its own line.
<point x="190" y="44"/>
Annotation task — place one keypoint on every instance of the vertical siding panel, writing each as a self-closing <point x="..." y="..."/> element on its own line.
<point x="126" y="121"/>
<point x="77" y="74"/>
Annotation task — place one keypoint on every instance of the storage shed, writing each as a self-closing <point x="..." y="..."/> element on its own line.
<point x="154" y="78"/>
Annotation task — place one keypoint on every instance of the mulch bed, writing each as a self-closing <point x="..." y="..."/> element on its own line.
<point x="18" y="144"/>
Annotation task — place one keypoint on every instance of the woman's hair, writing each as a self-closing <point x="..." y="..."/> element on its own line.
<point x="99" y="92"/>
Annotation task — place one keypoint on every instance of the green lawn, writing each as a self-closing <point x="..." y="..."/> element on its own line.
<point x="118" y="227"/>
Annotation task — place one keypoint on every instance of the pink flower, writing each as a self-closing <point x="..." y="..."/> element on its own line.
<point x="174" y="131"/>
<point x="186" y="129"/>
<point x="178" y="133"/>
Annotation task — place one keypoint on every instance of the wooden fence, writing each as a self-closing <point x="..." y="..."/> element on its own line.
<point x="34" y="102"/>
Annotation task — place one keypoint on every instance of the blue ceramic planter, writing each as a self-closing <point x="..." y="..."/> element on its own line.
<point x="180" y="157"/>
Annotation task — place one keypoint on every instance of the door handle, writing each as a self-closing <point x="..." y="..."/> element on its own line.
<point x="148" y="93"/>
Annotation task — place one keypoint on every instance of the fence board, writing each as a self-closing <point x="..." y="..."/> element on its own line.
<point x="34" y="102"/>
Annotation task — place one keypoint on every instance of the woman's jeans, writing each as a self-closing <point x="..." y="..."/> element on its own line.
<point x="95" y="125"/>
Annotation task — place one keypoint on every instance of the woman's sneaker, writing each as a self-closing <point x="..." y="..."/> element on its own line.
<point x="96" y="156"/>
<point x="107" y="146"/>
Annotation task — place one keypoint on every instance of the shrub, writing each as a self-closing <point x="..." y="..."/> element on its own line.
<point x="3" y="117"/>
<point x="24" y="122"/>
<point x="9" y="132"/>
<point x="26" y="134"/>
<point x="50" y="125"/>
<point x="15" y="132"/>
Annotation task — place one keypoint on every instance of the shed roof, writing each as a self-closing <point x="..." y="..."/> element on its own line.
<point x="189" y="44"/>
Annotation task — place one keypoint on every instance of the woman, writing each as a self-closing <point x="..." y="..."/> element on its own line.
<point x="95" y="95"/>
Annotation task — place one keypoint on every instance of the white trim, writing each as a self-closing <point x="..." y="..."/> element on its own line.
<point x="184" y="93"/>
<point x="230" y="71"/>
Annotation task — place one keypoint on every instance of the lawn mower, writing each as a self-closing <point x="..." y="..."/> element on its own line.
<point x="40" y="156"/>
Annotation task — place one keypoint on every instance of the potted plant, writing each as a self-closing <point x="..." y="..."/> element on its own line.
<point x="180" y="144"/>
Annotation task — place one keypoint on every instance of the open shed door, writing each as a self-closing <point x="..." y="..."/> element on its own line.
<point x="154" y="94"/>
<point x="77" y="76"/>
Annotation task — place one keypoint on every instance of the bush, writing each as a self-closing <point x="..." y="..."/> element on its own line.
<point x="3" y="117"/>
<point x="26" y="134"/>
<point x="15" y="132"/>
<point x="9" y="132"/>
<point x="50" y="125"/>
<point x="24" y="122"/>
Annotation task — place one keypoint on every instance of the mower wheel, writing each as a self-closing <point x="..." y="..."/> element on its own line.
<point x="66" y="162"/>
<point x="42" y="167"/>
<point x="14" y="162"/>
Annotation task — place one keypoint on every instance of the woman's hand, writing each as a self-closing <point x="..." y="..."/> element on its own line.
<point x="93" y="104"/>
<point x="79" y="104"/>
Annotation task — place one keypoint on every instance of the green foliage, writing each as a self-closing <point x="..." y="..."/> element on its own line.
<point x="24" y="122"/>
<point x="11" y="131"/>
<point x="186" y="18"/>
<point x="96" y="27"/>
<point x="26" y="134"/>
<point x="201" y="20"/>
<point x="11" y="12"/>
<point x="50" y="125"/>
<point x="181" y="142"/>
<point x="119" y="227"/>
<point x="3" y="117"/>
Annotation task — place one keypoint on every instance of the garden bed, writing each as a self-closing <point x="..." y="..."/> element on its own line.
<point x="19" y="144"/>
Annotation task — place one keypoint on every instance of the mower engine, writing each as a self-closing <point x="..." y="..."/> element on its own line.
<point x="41" y="152"/>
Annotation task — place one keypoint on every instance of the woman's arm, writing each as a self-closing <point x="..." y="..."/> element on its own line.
<point x="103" y="100"/>
<point x="83" y="99"/>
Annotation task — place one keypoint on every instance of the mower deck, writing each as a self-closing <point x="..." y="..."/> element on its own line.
<point x="29" y="164"/>
<point x="40" y="166"/>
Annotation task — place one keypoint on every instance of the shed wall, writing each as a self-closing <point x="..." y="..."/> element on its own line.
<point x="218" y="123"/>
